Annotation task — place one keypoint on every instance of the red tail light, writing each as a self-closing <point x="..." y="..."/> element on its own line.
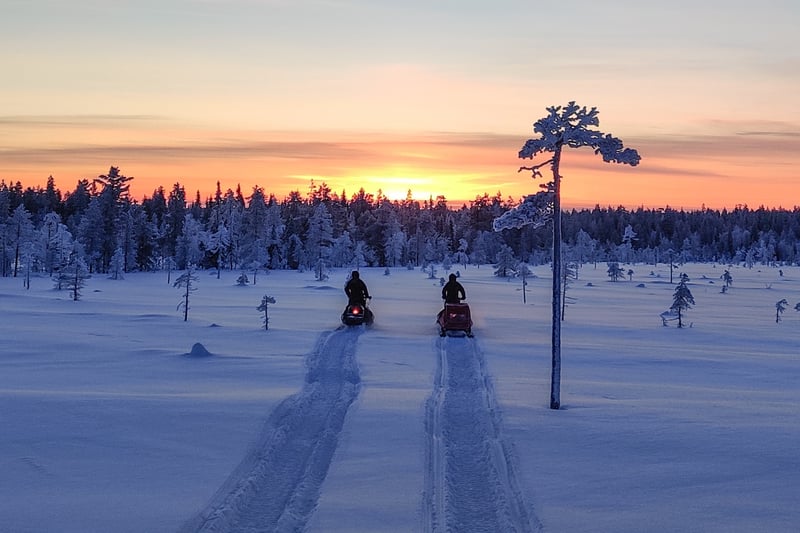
<point x="356" y="310"/>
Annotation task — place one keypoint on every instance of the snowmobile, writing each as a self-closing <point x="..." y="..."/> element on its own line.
<point x="356" y="314"/>
<point x="455" y="318"/>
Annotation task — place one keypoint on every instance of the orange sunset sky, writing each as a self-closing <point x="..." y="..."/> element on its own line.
<point x="432" y="96"/>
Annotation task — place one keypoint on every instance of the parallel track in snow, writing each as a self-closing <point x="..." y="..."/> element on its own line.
<point x="277" y="485"/>
<point x="470" y="483"/>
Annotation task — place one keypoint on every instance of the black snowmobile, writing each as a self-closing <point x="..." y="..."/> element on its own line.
<point x="356" y="314"/>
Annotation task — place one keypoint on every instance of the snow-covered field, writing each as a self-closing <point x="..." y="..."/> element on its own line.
<point x="112" y="423"/>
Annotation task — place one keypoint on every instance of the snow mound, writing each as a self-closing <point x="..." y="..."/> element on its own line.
<point x="198" y="350"/>
<point x="321" y="288"/>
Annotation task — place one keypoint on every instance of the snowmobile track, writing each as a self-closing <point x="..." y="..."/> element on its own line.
<point x="277" y="484"/>
<point x="470" y="483"/>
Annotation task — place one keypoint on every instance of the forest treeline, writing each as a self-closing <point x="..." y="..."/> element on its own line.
<point x="100" y="225"/>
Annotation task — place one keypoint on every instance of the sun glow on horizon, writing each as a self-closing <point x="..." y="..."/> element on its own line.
<point x="398" y="184"/>
<point x="679" y="171"/>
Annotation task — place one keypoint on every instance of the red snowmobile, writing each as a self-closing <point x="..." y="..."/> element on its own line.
<point x="455" y="318"/>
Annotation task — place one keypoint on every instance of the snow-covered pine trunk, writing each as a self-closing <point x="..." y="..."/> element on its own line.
<point x="524" y="286"/>
<point x="186" y="297"/>
<point x="76" y="281"/>
<point x="555" y="374"/>
<point x="17" y="249"/>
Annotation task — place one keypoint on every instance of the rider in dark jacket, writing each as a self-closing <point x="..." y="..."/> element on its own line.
<point x="356" y="289"/>
<point x="453" y="292"/>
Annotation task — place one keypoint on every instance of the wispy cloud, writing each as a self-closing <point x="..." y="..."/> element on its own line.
<point x="152" y="153"/>
<point x="77" y="120"/>
<point x="734" y="145"/>
<point x="771" y="133"/>
<point x="354" y="149"/>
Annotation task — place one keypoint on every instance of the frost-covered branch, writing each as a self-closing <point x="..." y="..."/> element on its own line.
<point x="534" y="169"/>
<point x="569" y="125"/>
<point x="535" y="209"/>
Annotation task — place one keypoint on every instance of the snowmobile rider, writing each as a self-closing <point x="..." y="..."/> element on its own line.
<point x="356" y="289"/>
<point x="453" y="292"/>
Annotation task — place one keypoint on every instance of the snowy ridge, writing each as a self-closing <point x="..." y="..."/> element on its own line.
<point x="277" y="485"/>
<point x="470" y="483"/>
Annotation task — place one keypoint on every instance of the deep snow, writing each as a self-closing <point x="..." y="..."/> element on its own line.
<point x="111" y="422"/>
